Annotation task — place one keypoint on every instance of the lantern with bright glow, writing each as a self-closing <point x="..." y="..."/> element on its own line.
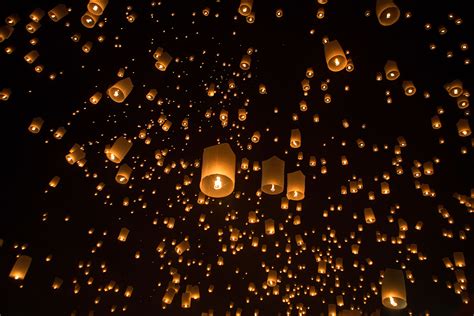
<point x="218" y="171"/>
<point x="393" y="289"/>
<point x="295" y="186"/>
<point x="120" y="90"/>
<point x="335" y="56"/>
<point x="119" y="149"/>
<point x="273" y="177"/>
<point x="387" y="12"/>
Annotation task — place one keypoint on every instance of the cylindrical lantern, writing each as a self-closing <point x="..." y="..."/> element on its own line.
<point x="97" y="7"/>
<point x="245" y="7"/>
<point x="58" y="12"/>
<point x="123" y="234"/>
<point x="273" y="176"/>
<point x="5" y="32"/>
<point x="295" y="186"/>
<point x="454" y="88"/>
<point x="20" y="268"/>
<point x="35" y="125"/>
<point x="269" y="226"/>
<point x="387" y="12"/>
<point x="335" y="56"/>
<point x="95" y="98"/>
<point x="37" y="15"/>
<point x="272" y="278"/>
<point x="123" y="174"/>
<point x="119" y="150"/>
<point x="89" y="20"/>
<point x="32" y="27"/>
<point x="245" y="62"/>
<point x="59" y="133"/>
<point x="163" y="61"/>
<point x="464" y="129"/>
<point x="75" y="154"/>
<point x="369" y="215"/>
<point x="391" y="70"/>
<point x="31" y="56"/>
<point x="218" y="171"/>
<point x="120" y="90"/>
<point x="295" y="138"/>
<point x="408" y="88"/>
<point x="393" y="289"/>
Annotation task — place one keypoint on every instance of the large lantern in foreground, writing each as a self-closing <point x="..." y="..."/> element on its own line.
<point x="335" y="56"/>
<point x="393" y="289"/>
<point x="119" y="149"/>
<point x="273" y="175"/>
<point x="387" y="12"/>
<point x="295" y="186"/>
<point x="218" y="171"/>
<point x="120" y="90"/>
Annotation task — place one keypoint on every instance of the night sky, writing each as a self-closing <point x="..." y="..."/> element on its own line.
<point x="71" y="231"/>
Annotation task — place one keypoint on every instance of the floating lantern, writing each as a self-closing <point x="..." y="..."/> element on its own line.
<point x="58" y="12"/>
<point x="123" y="234"/>
<point x="123" y="174"/>
<point x="5" y="32"/>
<point x="120" y="90"/>
<point x="273" y="177"/>
<point x="387" y="12"/>
<point x="295" y="186"/>
<point x="163" y="61"/>
<point x="295" y="138"/>
<point x="245" y="7"/>
<point x="335" y="56"/>
<point x="119" y="149"/>
<point x="464" y="129"/>
<point x="218" y="171"/>
<point x="20" y="268"/>
<point x="97" y="7"/>
<point x="454" y="88"/>
<point x="89" y="20"/>
<point x="35" y="125"/>
<point x="245" y="62"/>
<point x="272" y="278"/>
<point x="391" y="70"/>
<point x="393" y="289"/>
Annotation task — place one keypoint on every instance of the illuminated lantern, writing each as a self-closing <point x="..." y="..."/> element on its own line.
<point x="269" y="226"/>
<point x="57" y="283"/>
<point x="284" y="203"/>
<point x="350" y="65"/>
<point x="245" y="62"/>
<point x="272" y="278"/>
<point x="128" y="291"/>
<point x="245" y="7"/>
<point x="387" y="12"/>
<point x="123" y="174"/>
<point x="391" y="70"/>
<point x="123" y="234"/>
<point x="120" y="90"/>
<point x="12" y="20"/>
<point x="20" y="268"/>
<point x="89" y="20"/>
<point x="393" y="289"/>
<point x="384" y="188"/>
<point x="295" y="138"/>
<point x="163" y="61"/>
<point x="37" y="15"/>
<point x="462" y="101"/>
<point x="309" y="73"/>
<point x="305" y="85"/>
<point x="408" y="87"/>
<point x="321" y="267"/>
<point x="464" y="129"/>
<point x="166" y="125"/>
<point x="186" y="300"/>
<point x="273" y="175"/>
<point x="54" y="182"/>
<point x="255" y="137"/>
<point x="31" y="56"/>
<point x="332" y="310"/>
<point x="97" y="7"/>
<point x="182" y="247"/>
<point x="335" y="56"/>
<point x="75" y="154"/>
<point x="119" y="149"/>
<point x="250" y="18"/>
<point x="435" y="122"/>
<point x="454" y="88"/>
<point x="218" y="171"/>
<point x="169" y="296"/>
<point x="32" y="27"/>
<point x="295" y="186"/>
<point x="35" y="125"/>
<point x="369" y="215"/>
<point x="59" y="133"/>
<point x="5" y="32"/>
<point x="58" y="12"/>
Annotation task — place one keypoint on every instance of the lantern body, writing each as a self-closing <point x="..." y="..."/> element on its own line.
<point x="272" y="278"/>
<point x="464" y="129"/>
<point x="163" y="61"/>
<point x="35" y="125"/>
<point x="295" y="138"/>
<point x="97" y="7"/>
<point x="335" y="56"/>
<point x="295" y="186"/>
<point x="245" y="62"/>
<point x="58" y="12"/>
<point x="273" y="177"/>
<point x="123" y="234"/>
<point x="393" y="289"/>
<point x="391" y="70"/>
<point x="269" y="226"/>
<point x="123" y="174"/>
<point x="387" y="12"/>
<point x="89" y="20"/>
<point x="5" y="32"/>
<point x="119" y="150"/>
<point x="20" y="268"/>
<point x="120" y="90"/>
<point x="245" y="7"/>
<point x="218" y="171"/>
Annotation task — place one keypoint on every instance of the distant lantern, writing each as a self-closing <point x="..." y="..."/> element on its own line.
<point x="393" y="289"/>
<point x="245" y="62"/>
<point x="89" y="20"/>
<point x="35" y="125"/>
<point x="273" y="175"/>
<point x="151" y="95"/>
<point x="163" y="61"/>
<point x="295" y="186"/>
<point x="5" y="32"/>
<point x="464" y="129"/>
<point x="305" y="85"/>
<point x="245" y="7"/>
<point x="387" y="12"/>
<point x="119" y="149"/>
<point x="436" y="122"/>
<point x="97" y="7"/>
<point x="408" y="88"/>
<point x="269" y="226"/>
<point x="123" y="174"/>
<point x="123" y="234"/>
<point x="242" y="113"/>
<point x="218" y="171"/>
<point x="182" y="247"/>
<point x="391" y="70"/>
<point x="272" y="278"/>
<point x="94" y="99"/>
<point x="295" y="138"/>
<point x="309" y="73"/>
<point x="120" y="90"/>
<point x="454" y="88"/>
<point x="335" y="57"/>
<point x="54" y="182"/>
<point x="20" y="268"/>
<point x="58" y="12"/>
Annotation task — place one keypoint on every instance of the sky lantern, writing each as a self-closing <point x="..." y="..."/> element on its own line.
<point x="218" y="171"/>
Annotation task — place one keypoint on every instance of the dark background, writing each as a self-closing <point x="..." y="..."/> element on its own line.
<point x="284" y="49"/>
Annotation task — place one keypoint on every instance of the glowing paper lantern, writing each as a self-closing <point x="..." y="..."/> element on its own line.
<point x="245" y="7"/>
<point x="75" y="154"/>
<point x="269" y="226"/>
<point x="35" y="125"/>
<point x="387" y="12"/>
<point x="464" y="129"/>
<point x="123" y="174"/>
<point x="295" y="186"/>
<point x="391" y="70"/>
<point x="393" y="289"/>
<point x="273" y="176"/>
<point x="123" y="234"/>
<point x="89" y="20"/>
<point x="97" y="7"/>
<point x="5" y="32"/>
<point x="295" y="138"/>
<point x="272" y="278"/>
<point x="20" y="268"/>
<point x="58" y="12"/>
<point x="163" y="60"/>
<point x="120" y="90"/>
<point x="245" y="62"/>
<point x="335" y="57"/>
<point x="454" y="88"/>
<point x="218" y="171"/>
<point x="119" y="149"/>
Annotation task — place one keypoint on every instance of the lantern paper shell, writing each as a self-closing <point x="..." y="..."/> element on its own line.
<point x="269" y="226"/>
<point x="245" y="7"/>
<point x="245" y="62"/>
<point x="295" y="138"/>
<point x="20" y="268"/>
<point x="464" y="129"/>
<point x="387" y="12"/>
<point x="5" y="32"/>
<point x="119" y="150"/>
<point x="273" y="176"/>
<point x="218" y="171"/>
<point x="391" y="70"/>
<point x="37" y="15"/>
<point x="120" y="90"/>
<point x="162" y="61"/>
<point x="335" y="57"/>
<point x="393" y="289"/>
<point x="295" y="186"/>
<point x="75" y="154"/>
<point x="454" y="88"/>
<point x="89" y="20"/>
<point x="123" y="234"/>
<point x="35" y="125"/>
<point x="272" y="278"/>
<point x="58" y="12"/>
<point x="123" y="174"/>
<point x="97" y="7"/>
